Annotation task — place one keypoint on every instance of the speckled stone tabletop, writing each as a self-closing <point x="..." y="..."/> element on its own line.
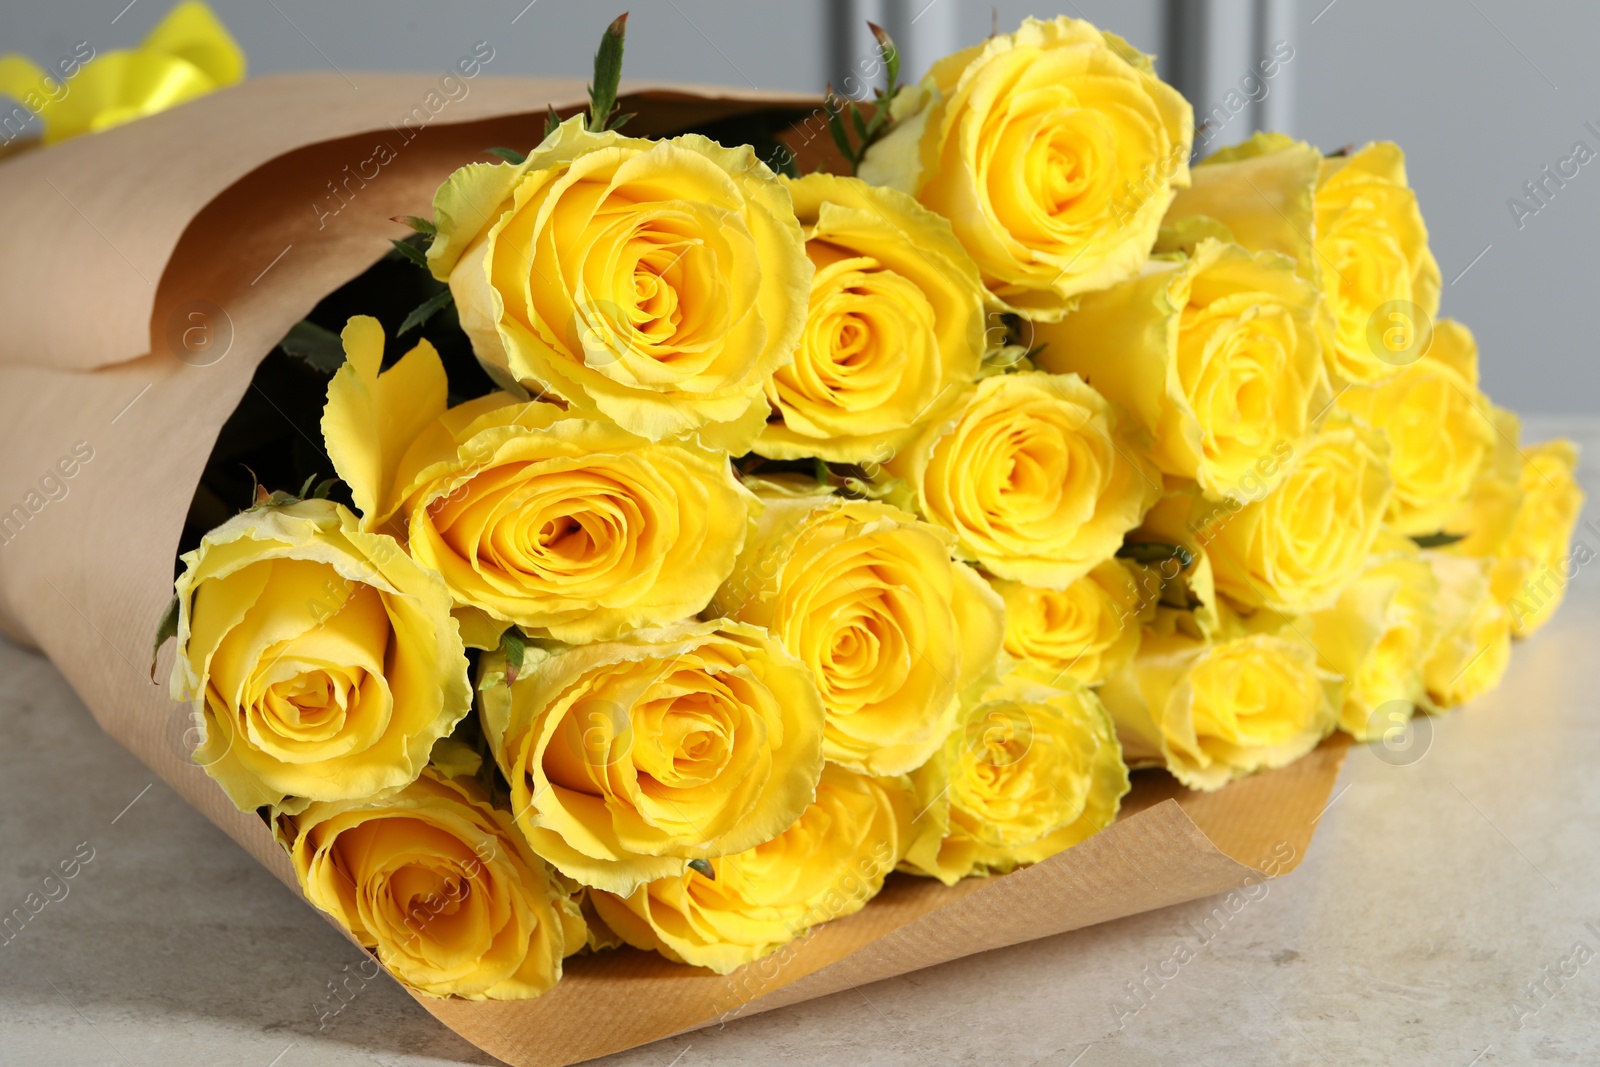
<point x="1437" y="919"/>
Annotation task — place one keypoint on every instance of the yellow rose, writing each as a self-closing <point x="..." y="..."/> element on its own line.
<point x="868" y="598"/>
<point x="1259" y="193"/>
<point x="1377" y="638"/>
<point x="321" y="661"/>
<point x="1215" y="354"/>
<point x="1085" y="632"/>
<point x="826" y="866"/>
<point x="631" y="758"/>
<point x="1029" y="771"/>
<point x="1522" y="515"/>
<point x="1053" y="150"/>
<point x="1438" y="426"/>
<point x="558" y="522"/>
<point x="188" y="54"/>
<point x="1373" y="248"/>
<point x="895" y="325"/>
<point x="1351" y="222"/>
<point x="1538" y="560"/>
<point x="1211" y="712"/>
<point x="1036" y="475"/>
<point x="658" y="283"/>
<point x="1294" y="550"/>
<point x="437" y="882"/>
<point x="1474" y="646"/>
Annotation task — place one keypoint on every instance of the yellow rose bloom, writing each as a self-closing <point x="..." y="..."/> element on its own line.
<point x="1215" y="354"/>
<point x="1474" y="646"/>
<point x="1036" y="475"/>
<point x="189" y="54"/>
<point x="1522" y="516"/>
<point x="1438" y="426"/>
<point x="1211" y="712"/>
<point x="1259" y="193"/>
<point x="1053" y="150"/>
<point x="1377" y="637"/>
<point x="438" y="884"/>
<point x="1352" y="223"/>
<point x="826" y="866"/>
<point x="322" y="663"/>
<point x="1294" y="550"/>
<point x="1537" y="562"/>
<point x="628" y="759"/>
<point x="657" y="283"/>
<point x="1085" y="632"/>
<point x="895" y="325"/>
<point x="1373" y="248"/>
<point x="1030" y="771"/>
<point x="558" y="522"/>
<point x="868" y="598"/>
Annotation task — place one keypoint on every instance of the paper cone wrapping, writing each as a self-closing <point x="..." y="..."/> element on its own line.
<point x="119" y="240"/>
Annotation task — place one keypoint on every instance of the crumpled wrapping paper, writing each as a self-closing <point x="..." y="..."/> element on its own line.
<point x="216" y="217"/>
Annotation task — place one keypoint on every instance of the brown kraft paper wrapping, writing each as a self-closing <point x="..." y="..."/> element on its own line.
<point x="122" y="238"/>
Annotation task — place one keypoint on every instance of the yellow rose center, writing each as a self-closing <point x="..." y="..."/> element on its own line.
<point x="1235" y="366"/>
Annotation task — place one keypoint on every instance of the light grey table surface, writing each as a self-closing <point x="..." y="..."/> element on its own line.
<point x="1432" y="895"/>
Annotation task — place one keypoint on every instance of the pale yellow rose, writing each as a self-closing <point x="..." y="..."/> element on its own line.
<point x="895" y="325"/>
<point x="560" y="523"/>
<point x="658" y="283"/>
<point x="826" y="866"/>
<point x="1474" y="646"/>
<point x="1352" y="223"/>
<point x="1377" y="638"/>
<point x="1053" y="150"/>
<point x="1373" y="249"/>
<point x="1211" y="712"/>
<point x="1294" y="550"/>
<point x="1085" y="632"/>
<point x="439" y="884"/>
<point x="1215" y="354"/>
<point x="1539" y="559"/>
<point x="1259" y="193"/>
<point x="322" y="663"/>
<point x="1036" y="475"/>
<point x="1438" y="425"/>
<point x="1029" y="771"/>
<point x="1521" y="515"/>
<point x="868" y="598"/>
<point x="628" y="759"/>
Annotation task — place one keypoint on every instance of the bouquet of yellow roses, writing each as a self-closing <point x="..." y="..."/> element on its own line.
<point x="661" y="546"/>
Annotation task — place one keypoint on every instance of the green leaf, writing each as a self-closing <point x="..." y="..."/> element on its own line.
<point x="890" y="54"/>
<point x="411" y="252"/>
<point x="305" y="489"/>
<point x="1438" y="540"/>
<point x="323" y="488"/>
<point x="859" y="123"/>
<point x="704" y="867"/>
<point x="607" y="74"/>
<point x="1155" y="552"/>
<point x="617" y="121"/>
<point x="515" y="646"/>
<point x="317" y="347"/>
<point x="552" y="121"/>
<point x="165" y="629"/>
<point x="510" y="155"/>
<point x="836" y="127"/>
<point x="425" y="311"/>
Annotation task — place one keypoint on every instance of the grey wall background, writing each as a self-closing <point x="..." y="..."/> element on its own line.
<point x="1481" y="93"/>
